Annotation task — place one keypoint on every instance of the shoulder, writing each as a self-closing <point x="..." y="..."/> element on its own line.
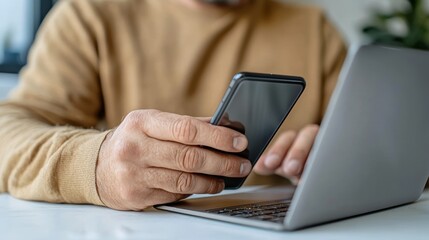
<point x="92" y="8"/>
<point x="93" y="13"/>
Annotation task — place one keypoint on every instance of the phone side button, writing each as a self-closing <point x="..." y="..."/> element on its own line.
<point x="228" y="91"/>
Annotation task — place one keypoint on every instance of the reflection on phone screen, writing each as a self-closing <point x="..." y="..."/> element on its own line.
<point x="257" y="109"/>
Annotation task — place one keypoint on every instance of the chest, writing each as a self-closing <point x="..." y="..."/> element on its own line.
<point x="190" y="75"/>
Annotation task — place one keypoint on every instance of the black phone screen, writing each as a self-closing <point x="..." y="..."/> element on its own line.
<point x="256" y="105"/>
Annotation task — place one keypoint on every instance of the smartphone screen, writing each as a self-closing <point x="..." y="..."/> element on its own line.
<point x="256" y="105"/>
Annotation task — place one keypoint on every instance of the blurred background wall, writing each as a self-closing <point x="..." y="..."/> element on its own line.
<point x="15" y="27"/>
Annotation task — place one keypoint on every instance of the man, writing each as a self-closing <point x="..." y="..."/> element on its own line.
<point x="105" y="64"/>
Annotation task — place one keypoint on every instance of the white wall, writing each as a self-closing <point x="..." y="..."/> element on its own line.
<point x="14" y="20"/>
<point x="351" y="15"/>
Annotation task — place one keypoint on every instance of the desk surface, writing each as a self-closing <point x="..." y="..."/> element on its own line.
<point x="33" y="220"/>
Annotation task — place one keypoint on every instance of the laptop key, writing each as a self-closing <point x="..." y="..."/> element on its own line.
<point x="273" y="211"/>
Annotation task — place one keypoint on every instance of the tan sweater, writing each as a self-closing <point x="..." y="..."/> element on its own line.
<point x="96" y="60"/>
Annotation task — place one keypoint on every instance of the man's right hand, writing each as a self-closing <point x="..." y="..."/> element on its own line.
<point x="155" y="157"/>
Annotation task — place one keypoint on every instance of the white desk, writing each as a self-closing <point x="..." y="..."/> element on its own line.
<point x="32" y="220"/>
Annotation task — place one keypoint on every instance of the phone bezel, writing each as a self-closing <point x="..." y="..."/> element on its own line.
<point x="238" y="79"/>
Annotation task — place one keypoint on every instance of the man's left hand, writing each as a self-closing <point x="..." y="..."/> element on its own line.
<point x="288" y="154"/>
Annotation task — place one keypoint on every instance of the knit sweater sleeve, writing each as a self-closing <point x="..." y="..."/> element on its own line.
<point x="48" y="146"/>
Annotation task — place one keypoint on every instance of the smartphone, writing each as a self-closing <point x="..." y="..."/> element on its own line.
<point x="256" y="105"/>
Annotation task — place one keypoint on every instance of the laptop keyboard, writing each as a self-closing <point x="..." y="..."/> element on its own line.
<point x="272" y="211"/>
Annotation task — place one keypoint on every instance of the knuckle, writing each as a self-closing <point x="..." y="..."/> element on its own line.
<point x="218" y="136"/>
<point x="184" y="130"/>
<point x="190" y="159"/>
<point x="133" y="119"/>
<point x="313" y="128"/>
<point x="287" y="137"/>
<point x="138" y="119"/>
<point x="185" y="182"/>
<point x="290" y="135"/>
<point x="298" y="153"/>
<point x="173" y="197"/>
<point x="230" y="167"/>
<point x="213" y="187"/>
<point x="177" y="197"/>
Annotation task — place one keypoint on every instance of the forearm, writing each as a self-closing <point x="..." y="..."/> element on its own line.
<point x="44" y="162"/>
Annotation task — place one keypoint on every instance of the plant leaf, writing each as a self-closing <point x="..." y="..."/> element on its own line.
<point x="416" y="19"/>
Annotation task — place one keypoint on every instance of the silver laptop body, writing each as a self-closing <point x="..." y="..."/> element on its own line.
<point x="372" y="151"/>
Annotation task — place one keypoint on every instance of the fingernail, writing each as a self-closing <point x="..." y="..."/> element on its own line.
<point x="245" y="168"/>
<point x="292" y="167"/>
<point x="294" y="180"/>
<point x="239" y="143"/>
<point x="272" y="161"/>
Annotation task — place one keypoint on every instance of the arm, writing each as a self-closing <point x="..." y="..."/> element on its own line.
<point x="48" y="151"/>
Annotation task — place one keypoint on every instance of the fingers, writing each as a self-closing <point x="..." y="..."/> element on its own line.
<point x="180" y="182"/>
<point x="165" y="186"/>
<point x="192" y="159"/>
<point x="270" y="161"/>
<point x="170" y="144"/>
<point x="204" y="119"/>
<point x="160" y="196"/>
<point x="140" y="201"/>
<point x="297" y="155"/>
<point x="259" y="167"/>
<point x="288" y="155"/>
<point x="189" y="131"/>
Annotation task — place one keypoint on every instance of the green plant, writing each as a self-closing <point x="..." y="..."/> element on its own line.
<point x="413" y="18"/>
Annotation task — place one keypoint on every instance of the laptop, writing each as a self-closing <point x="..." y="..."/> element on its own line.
<point x="371" y="153"/>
